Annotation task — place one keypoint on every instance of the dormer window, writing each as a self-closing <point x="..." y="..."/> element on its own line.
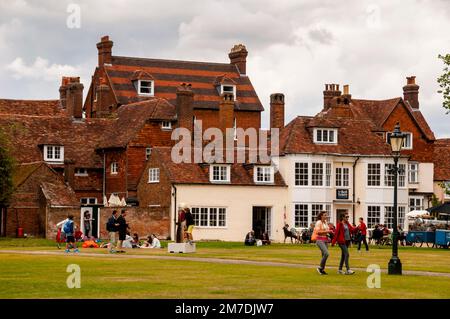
<point x="263" y="174"/>
<point x="146" y="87"/>
<point x="228" y="88"/>
<point x="53" y="153"/>
<point x="325" y="136"/>
<point x="166" y="125"/>
<point x="219" y="173"/>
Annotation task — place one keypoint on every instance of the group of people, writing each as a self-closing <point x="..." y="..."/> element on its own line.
<point x="185" y="225"/>
<point x="251" y="240"/>
<point x="342" y="236"/>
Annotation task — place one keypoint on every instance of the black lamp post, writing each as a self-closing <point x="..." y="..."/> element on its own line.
<point x="396" y="140"/>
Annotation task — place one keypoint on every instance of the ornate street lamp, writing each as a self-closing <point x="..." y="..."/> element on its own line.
<point x="396" y="139"/>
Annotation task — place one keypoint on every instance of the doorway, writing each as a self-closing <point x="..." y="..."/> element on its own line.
<point x="90" y="221"/>
<point x="339" y="213"/>
<point x="262" y="221"/>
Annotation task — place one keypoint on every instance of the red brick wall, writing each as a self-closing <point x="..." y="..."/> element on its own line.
<point x="116" y="183"/>
<point x="24" y="210"/>
<point x="422" y="150"/>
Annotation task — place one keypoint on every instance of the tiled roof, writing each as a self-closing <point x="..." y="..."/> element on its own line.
<point x="59" y="194"/>
<point x="168" y="74"/>
<point x="441" y="160"/>
<point x="23" y="171"/>
<point x="132" y="117"/>
<point x="194" y="173"/>
<point x="379" y="111"/>
<point x="355" y="137"/>
<point x="27" y="134"/>
<point x="32" y="107"/>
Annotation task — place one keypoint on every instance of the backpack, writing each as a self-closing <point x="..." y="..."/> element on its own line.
<point x="68" y="227"/>
<point x="110" y="225"/>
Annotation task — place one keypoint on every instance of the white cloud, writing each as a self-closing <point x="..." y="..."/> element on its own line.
<point x="41" y="69"/>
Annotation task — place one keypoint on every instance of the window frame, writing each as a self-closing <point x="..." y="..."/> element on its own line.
<point x="220" y="166"/>
<point x="380" y="174"/>
<point x="114" y="168"/>
<point x="322" y="135"/>
<point x="264" y="173"/>
<point x="228" y="85"/>
<point x="88" y="200"/>
<point x="200" y="212"/>
<point x="52" y="159"/>
<point x="81" y="174"/>
<point x="166" y="127"/>
<point x="342" y="175"/>
<point x="404" y="147"/>
<point x="148" y="153"/>
<point x="301" y="170"/>
<point x="153" y="175"/>
<point x="415" y="171"/>
<point x="152" y="88"/>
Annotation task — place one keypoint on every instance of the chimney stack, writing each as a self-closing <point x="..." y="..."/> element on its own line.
<point x="411" y="92"/>
<point x="74" y="97"/>
<point x="331" y="90"/>
<point x="277" y="110"/>
<point x="185" y="106"/>
<point x="104" y="99"/>
<point x="104" y="51"/>
<point x="226" y="111"/>
<point x="238" y="57"/>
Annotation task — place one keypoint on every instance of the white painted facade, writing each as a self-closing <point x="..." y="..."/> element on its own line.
<point x="371" y="202"/>
<point x="239" y="203"/>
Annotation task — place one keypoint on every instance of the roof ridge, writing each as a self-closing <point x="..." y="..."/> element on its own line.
<point x="171" y="60"/>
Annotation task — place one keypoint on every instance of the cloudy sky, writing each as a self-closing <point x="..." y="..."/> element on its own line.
<point x="294" y="46"/>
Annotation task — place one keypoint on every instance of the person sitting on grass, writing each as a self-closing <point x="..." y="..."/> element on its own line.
<point x="69" y="229"/>
<point x="265" y="239"/>
<point x="152" y="242"/>
<point x="250" y="239"/>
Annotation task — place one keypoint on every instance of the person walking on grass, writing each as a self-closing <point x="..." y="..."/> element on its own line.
<point x="189" y="225"/>
<point x="69" y="229"/>
<point x="343" y="237"/>
<point x="122" y="228"/>
<point x="320" y="235"/>
<point x="362" y="228"/>
<point x="112" y="228"/>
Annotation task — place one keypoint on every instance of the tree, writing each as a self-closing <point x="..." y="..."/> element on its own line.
<point x="6" y="172"/>
<point x="444" y="81"/>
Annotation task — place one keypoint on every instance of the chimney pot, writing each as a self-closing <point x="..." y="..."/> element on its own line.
<point x="238" y="57"/>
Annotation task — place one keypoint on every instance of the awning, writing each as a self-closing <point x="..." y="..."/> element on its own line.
<point x="444" y="208"/>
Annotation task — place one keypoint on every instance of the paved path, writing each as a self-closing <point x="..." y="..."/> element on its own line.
<point x="208" y="260"/>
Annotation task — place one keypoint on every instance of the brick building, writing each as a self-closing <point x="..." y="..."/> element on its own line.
<point x="441" y="160"/>
<point x="132" y="106"/>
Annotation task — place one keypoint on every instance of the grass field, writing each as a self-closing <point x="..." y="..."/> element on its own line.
<point x="31" y="276"/>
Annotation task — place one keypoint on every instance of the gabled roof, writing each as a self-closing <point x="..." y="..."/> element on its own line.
<point x="23" y="171"/>
<point x="168" y="74"/>
<point x="441" y="159"/>
<point x="380" y="110"/>
<point x="355" y="137"/>
<point x="132" y="117"/>
<point x="194" y="173"/>
<point x="59" y="194"/>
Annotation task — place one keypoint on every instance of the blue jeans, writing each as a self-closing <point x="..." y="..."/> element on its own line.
<point x="344" y="256"/>
<point x="324" y="249"/>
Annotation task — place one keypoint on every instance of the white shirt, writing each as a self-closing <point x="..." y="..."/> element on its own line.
<point x="156" y="243"/>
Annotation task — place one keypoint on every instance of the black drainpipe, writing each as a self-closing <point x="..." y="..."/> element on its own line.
<point x="175" y="213"/>
<point x="353" y="196"/>
<point x="104" y="176"/>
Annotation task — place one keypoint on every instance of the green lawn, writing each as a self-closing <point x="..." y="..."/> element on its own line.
<point x="27" y="276"/>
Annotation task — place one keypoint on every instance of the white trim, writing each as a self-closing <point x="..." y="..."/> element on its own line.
<point x="153" y="175"/>
<point x="271" y="174"/>
<point x="81" y="174"/>
<point x="403" y="147"/>
<point x="208" y="207"/>
<point x="152" y="89"/>
<point x="52" y="159"/>
<point x="114" y="168"/>
<point x="211" y="175"/>
<point x="234" y="89"/>
<point x="328" y="130"/>
<point x="166" y="127"/>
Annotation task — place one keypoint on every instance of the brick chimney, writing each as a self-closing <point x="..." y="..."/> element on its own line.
<point x="411" y="92"/>
<point x="238" y="57"/>
<point x="73" y="96"/>
<point x="104" y="51"/>
<point x="226" y="112"/>
<point x="104" y="99"/>
<point x="277" y="110"/>
<point x="185" y="106"/>
<point x="69" y="172"/>
<point x="331" y="90"/>
<point x="63" y="91"/>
